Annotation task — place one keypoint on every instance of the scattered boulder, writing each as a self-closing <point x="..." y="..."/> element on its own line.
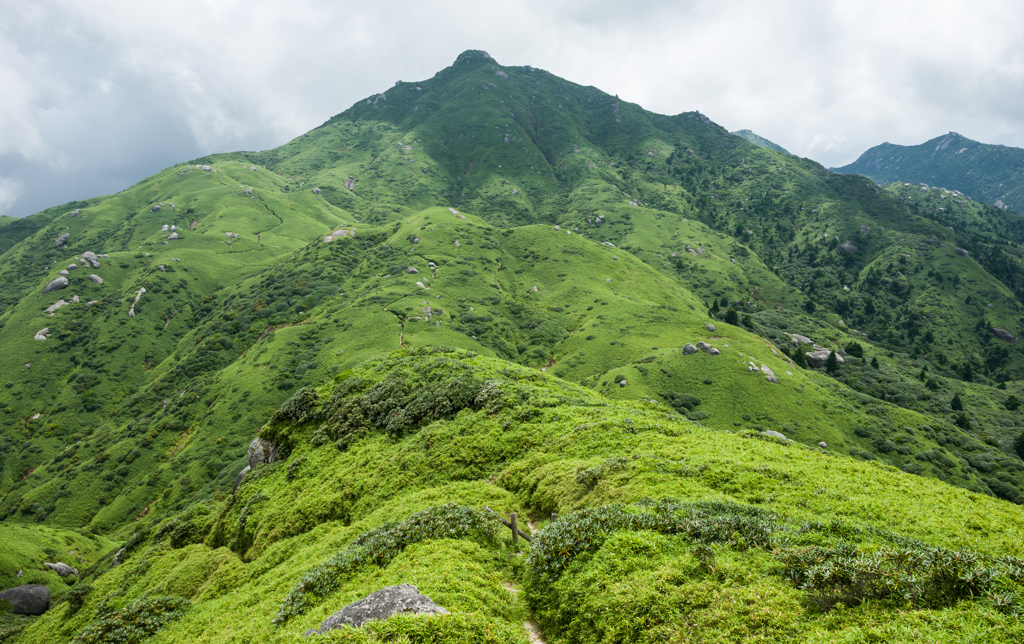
<point x="623" y="383"/>
<point x="118" y="557"/>
<point x="864" y="230"/>
<point x="247" y="191"/>
<point x="769" y="374"/>
<point x="30" y="599"/>
<point x="63" y="271"/>
<point x="173" y="236"/>
<point x="710" y="327"/>
<point x="316" y="191"/>
<point x="96" y="279"/>
<point x="962" y="252"/>
<point x="72" y="267"/>
<point x="823" y="445"/>
<point x="61" y="568"/>
<point x="1003" y="334"/>
<point x="63" y="239"/>
<point x="501" y="74"/>
<point x="775" y="434"/>
<point x="164" y="228"/>
<point x="261" y="451"/>
<point x="161" y="268"/>
<point x="56" y="284"/>
<point x="713" y="351"/>
<point x="206" y="168"/>
<point x="689" y="349"/>
<point x="703" y="346"/>
<point x="42" y="333"/>
<point x="74" y="213"/>
<point x="817" y="359"/>
<point x="53" y="307"/>
<point x="240" y="478"/>
<point x="386" y="602"/>
<point x="155" y="209"/>
<point x="846" y="248"/>
<point x="412" y="270"/>
<point x="91" y="257"/>
<point x="350" y="183"/>
<point x="800" y="339"/>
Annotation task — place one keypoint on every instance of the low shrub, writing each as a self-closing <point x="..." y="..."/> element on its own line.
<point x="135" y="622"/>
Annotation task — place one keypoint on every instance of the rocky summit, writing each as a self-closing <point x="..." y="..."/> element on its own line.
<point x="495" y="357"/>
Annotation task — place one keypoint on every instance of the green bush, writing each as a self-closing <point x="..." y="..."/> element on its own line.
<point x="682" y="403"/>
<point x="380" y="545"/>
<point x="135" y="622"/>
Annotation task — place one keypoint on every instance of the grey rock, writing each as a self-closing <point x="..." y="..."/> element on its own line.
<point x="61" y="568"/>
<point x="63" y="272"/>
<point x="689" y="349"/>
<point x="316" y="191"/>
<point x="63" y="239"/>
<point x="823" y="445"/>
<point x="703" y="346"/>
<point x="501" y="74"/>
<point x="412" y="270"/>
<point x="710" y="327"/>
<point x="155" y="209"/>
<point x="1003" y="334"/>
<point x="206" y="168"/>
<point x="713" y="351"/>
<point x="96" y="279"/>
<point x="261" y="451"/>
<point x="350" y="183"/>
<point x="56" y="284"/>
<point x="962" y="252"/>
<point x="769" y="374"/>
<point x="800" y="339"/>
<point x="623" y="383"/>
<point x="240" y="478"/>
<point x="174" y="236"/>
<point x="164" y="228"/>
<point x="864" y="230"/>
<point x="91" y="257"/>
<point x="386" y="602"/>
<point x="817" y="359"/>
<point x="74" y="213"/>
<point x="20" y="573"/>
<point x="247" y="191"/>
<point x="72" y="267"/>
<point x="775" y="434"/>
<point x="118" y="557"/>
<point x="848" y="249"/>
<point x="30" y="599"/>
<point x="161" y="268"/>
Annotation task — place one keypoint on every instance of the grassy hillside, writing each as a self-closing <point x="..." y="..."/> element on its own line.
<point x="759" y="140"/>
<point x="984" y="172"/>
<point x="390" y="464"/>
<point x="576" y="244"/>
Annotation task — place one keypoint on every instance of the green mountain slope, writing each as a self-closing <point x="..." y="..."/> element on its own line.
<point x="552" y="230"/>
<point x="390" y="464"/>
<point x="759" y="140"/>
<point x="984" y="172"/>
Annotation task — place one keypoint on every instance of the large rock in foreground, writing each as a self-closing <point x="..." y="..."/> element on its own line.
<point x="261" y="451"/>
<point x="31" y="599"/>
<point x="819" y="358"/>
<point x="382" y="604"/>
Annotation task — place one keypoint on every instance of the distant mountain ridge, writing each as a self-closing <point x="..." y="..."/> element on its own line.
<point x="989" y="173"/>
<point x="760" y="141"/>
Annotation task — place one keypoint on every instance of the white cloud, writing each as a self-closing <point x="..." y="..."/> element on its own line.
<point x="10" y="190"/>
<point x="825" y="79"/>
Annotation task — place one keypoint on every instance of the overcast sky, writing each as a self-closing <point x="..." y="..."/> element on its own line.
<point x="98" y="94"/>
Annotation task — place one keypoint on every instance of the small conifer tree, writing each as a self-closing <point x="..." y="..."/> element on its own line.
<point x="832" y="364"/>
<point x="956" y="404"/>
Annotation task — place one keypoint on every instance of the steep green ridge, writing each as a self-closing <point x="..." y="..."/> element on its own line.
<point x="363" y="501"/>
<point x="592" y="246"/>
<point x="984" y="172"/>
<point x="759" y="141"/>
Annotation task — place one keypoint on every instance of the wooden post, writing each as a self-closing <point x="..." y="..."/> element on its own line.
<point x="515" y="529"/>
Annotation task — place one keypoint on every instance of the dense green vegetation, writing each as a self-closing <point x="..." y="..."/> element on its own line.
<point x="759" y="140"/>
<point x="984" y="172"/>
<point x="480" y="289"/>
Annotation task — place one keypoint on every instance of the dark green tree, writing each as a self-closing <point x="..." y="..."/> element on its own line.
<point x="963" y="422"/>
<point x="714" y="307"/>
<point x="1012" y="403"/>
<point x="732" y="317"/>
<point x="855" y="349"/>
<point x="956" y="404"/>
<point x="1018" y="445"/>
<point x="832" y="364"/>
<point x="874" y="363"/>
<point x="810" y="306"/>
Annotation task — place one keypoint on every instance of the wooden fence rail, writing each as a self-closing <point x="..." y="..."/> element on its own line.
<point x="513" y="524"/>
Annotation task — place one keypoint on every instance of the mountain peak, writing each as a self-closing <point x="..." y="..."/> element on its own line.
<point x="474" y="56"/>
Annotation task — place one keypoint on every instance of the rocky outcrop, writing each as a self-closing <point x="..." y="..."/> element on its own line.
<point x="50" y="310"/>
<point x="56" y="284"/>
<point x="386" y="602"/>
<point x="846" y="248"/>
<point x="703" y="346"/>
<point x="90" y="257"/>
<point x="775" y="434"/>
<point x="962" y="252"/>
<point x="1003" y="334"/>
<point x="138" y="296"/>
<point x="819" y="358"/>
<point x="769" y="374"/>
<point x="42" y="334"/>
<point x="61" y="568"/>
<point x="261" y="451"/>
<point x="95" y="279"/>
<point x="412" y="270"/>
<point x="689" y="349"/>
<point x="63" y="239"/>
<point x="30" y="599"/>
